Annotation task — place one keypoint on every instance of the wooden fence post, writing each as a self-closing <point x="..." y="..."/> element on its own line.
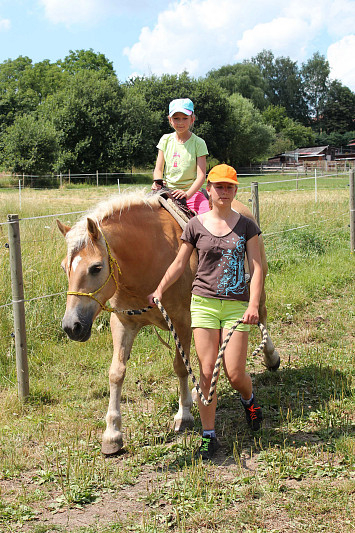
<point x="352" y="211"/>
<point x="18" y="306"/>
<point x="97" y="178"/>
<point x="255" y="201"/>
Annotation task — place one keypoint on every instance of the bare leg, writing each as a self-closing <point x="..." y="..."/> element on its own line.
<point x="235" y="357"/>
<point x="207" y="343"/>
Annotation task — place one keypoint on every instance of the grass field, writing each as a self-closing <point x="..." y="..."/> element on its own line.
<point x="296" y="475"/>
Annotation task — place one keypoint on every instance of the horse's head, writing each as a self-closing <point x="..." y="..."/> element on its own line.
<point x="90" y="270"/>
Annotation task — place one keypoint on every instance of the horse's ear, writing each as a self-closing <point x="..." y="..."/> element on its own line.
<point x="93" y="230"/>
<point x="63" y="228"/>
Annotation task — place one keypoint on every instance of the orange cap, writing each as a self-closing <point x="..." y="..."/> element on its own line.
<point x="223" y="173"/>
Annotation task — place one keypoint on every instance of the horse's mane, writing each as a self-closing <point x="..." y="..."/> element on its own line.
<point x="78" y="236"/>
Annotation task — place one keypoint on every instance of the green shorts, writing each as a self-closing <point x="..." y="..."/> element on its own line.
<point x="212" y="313"/>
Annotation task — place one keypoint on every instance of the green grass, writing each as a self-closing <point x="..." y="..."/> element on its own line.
<point x="296" y="475"/>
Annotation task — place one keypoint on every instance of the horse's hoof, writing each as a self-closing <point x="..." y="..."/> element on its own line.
<point x="275" y="367"/>
<point x="111" y="448"/>
<point x="183" y="425"/>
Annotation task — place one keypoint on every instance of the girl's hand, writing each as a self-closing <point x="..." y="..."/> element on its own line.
<point x="251" y="315"/>
<point x="179" y="193"/>
<point x="156" y="186"/>
<point x="155" y="294"/>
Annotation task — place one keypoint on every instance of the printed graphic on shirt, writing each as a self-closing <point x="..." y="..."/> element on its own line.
<point x="176" y="157"/>
<point x="232" y="279"/>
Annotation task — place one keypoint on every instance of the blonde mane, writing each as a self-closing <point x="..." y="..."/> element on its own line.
<point x="78" y="236"/>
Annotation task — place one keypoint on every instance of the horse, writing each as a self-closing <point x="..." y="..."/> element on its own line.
<point x="117" y="253"/>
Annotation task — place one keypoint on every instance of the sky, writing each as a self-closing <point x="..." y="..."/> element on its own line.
<point x="144" y="38"/>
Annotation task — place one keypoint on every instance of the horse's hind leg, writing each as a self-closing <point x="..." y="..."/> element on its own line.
<point x="271" y="355"/>
<point x="183" y="418"/>
<point x="123" y="337"/>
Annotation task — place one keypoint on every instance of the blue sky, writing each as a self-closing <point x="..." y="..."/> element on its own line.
<point x="144" y="38"/>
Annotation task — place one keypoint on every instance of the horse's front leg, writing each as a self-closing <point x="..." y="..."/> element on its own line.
<point x="183" y="418"/>
<point x="271" y="355"/>
<point x="123" y="336"/>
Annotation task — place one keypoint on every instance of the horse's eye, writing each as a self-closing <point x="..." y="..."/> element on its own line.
<point x="94" y="270"/>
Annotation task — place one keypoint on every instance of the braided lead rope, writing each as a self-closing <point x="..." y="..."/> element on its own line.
<point x="219" y="357"/>
<point x="186" y="361"/>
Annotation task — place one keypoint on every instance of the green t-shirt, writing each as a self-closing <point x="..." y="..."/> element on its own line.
<point x="181" y="160"/>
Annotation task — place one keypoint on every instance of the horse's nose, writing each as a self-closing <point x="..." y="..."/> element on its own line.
<point x="77" y="330"/>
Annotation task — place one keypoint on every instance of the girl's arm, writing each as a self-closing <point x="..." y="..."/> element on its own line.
<point x="251" y="315"/>
<point x="197" y="184"/>
<point x="158" y="170"/>
<point x="174" y="271"/>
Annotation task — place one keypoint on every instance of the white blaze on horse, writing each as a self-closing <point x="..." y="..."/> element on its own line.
<point x="118" y="253"/>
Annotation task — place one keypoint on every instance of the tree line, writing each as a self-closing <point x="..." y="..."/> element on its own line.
<point x="75" y="114"/>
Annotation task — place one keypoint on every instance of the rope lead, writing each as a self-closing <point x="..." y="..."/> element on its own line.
<point x="219" y="357"/>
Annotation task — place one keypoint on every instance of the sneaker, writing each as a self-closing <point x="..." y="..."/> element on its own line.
<point x="254" y="415"/>
<point x="208" y="448"/>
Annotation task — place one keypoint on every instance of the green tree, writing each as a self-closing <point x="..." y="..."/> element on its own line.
<point x="315" y="74"/>
<point x="133" y="141"/>
<point x="86" y="114"/>
<point x="249" y="137"/>
<point x="30" y="146"/>
<point x="284" y="85"/>
<point x="13" y="99"/>
<point x="243" y="78"/>
<point x="339" y="109"/>
<point x="290" y="133"/>
<point x="86" y="60"/>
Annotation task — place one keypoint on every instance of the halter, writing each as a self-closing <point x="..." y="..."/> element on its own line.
<point x="112" y="262"/>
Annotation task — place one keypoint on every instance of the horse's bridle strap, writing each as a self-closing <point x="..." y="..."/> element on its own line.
<point x="112" y="262"/>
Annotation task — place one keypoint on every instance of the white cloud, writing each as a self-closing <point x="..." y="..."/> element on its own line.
<point x="5" y="24"/>
<point x="280" y="35"/>
<point x="341" y="59"/>
<point x="198" y="35"/>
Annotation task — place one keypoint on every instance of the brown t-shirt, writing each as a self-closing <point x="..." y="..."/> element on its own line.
<point x="220" y="272"/>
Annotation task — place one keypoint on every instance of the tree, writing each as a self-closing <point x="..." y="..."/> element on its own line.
<point x="243" y="78"/>
<point x="86" y="60"/>
<point x="86" y="113"/>
<point x="30" y="146"/>
<point x="315" y="74"/>
<point x="250" y="138"/>
<point x="284" y="86"/>
<point x="290" y="133"/>
<point x="13" y="99"/>
<point x="133" y="142"/>
<point x="339" y="109"/>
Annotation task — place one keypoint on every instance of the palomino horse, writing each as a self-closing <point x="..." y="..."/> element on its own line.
<point x="118" y="253"/>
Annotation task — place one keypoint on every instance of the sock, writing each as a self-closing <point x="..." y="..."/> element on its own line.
<point x="209" y="433"/>
<point x="247" y="402"/>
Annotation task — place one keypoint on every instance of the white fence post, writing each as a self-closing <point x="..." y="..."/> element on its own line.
<point x="19" y="194"/>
